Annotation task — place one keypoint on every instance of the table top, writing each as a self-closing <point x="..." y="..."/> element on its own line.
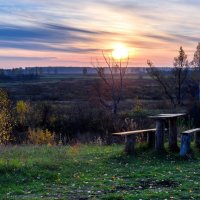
<point x="167" y="116"/>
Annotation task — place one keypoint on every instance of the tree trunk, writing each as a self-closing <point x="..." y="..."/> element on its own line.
<point x="185" y="144"/>
<point x="173" y="135"/>
<point x="160" y="129"/>
<point x="130" y="144"/>
<point x="114" y="108"/>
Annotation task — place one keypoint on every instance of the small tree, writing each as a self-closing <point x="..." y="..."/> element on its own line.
<point x="22" y="108"/>
<point x="111" y="81"/>
<point x="172" y="82"/>
<point x="6" y="124"/>
<point x="196" y="64"/>
<point x="160" y="77"/>
<point x="180" y="72"/>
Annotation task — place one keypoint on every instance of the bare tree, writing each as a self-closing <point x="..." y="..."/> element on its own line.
<point x="159" y="76"/>
<point x="180" y="72"/>
<point x="172" y="84"/>
<point x="196" y="59"/>
<point x="196" y="64"/>
<point x="111" y="81"/>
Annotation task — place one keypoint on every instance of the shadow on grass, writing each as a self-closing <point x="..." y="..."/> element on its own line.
<point x="144" y="152"/>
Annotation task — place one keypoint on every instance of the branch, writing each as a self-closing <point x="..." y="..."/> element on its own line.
<point x="157" y="76"/>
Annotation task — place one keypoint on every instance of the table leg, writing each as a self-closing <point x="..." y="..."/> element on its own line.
<point x="173" y="146"/>
<point x="160" y="130"/>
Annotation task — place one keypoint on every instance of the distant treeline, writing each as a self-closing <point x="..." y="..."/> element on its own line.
<point x="63" y="70"/>
<point x="32" y="73"/>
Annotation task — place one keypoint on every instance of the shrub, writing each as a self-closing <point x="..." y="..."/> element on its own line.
<point x="39" y="136"/>
<point x="22" y="109"/>
<point x="138" y="107"/>
<point x="6" y="122"/>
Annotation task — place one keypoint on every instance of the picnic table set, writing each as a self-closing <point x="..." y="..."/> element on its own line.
<point x="156" y="135"/>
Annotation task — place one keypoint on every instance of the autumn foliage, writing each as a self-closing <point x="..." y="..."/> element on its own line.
<point x="6" y="122"/>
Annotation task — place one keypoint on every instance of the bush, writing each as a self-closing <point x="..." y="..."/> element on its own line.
<point x="22" y="109"/>
<point x="39" y="136"/>
<point x="6" y="121"/>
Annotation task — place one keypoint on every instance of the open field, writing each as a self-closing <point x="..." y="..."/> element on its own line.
<point x="96" y="172"/>
<point x="75" y="88"/>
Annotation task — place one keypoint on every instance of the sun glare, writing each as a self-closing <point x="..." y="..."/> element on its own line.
<point x="120" y="51"/>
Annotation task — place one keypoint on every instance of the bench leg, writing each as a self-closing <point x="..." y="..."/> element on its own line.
<point x="160" y="130"/>
<point x="151" y="140"/>
<point x="130" y="144"/>
<point x="197" y="139"/>
<point x="185" y="144"/>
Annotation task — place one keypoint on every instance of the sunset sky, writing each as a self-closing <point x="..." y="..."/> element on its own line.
<point x="72" y="32"/>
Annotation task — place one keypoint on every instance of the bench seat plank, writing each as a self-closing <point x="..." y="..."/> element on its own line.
<point x="191" y="131"/>
<point x="135" y="132"/>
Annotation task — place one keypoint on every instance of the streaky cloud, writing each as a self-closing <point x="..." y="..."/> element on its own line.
<point x="44" y="47"/>
<point x="26" y="58"/>
<point x="69" y="29"/>
<point x="41" y="33"/>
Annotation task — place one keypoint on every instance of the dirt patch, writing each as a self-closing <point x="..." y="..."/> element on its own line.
<point x="140" y="185"/>
<point x="148" y="184"/>
<point x="157" y="183"/>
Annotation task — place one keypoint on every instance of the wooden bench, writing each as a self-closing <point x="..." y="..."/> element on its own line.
<point x="186" y="139"/>
<point x="130" y="138"/>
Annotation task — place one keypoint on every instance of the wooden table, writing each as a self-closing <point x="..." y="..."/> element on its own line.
<point x="160" y="130"/>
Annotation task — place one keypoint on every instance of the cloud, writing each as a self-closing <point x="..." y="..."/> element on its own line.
<point x="173" y="38"/>
<point x="167" y="38"/>
<point x="43" y="33"/>
<point x="36" y="46"/>
<point x="186" y="38"/>
<point x="46" y="37"/>
<point x="50" y="37"/>
<point x="69" y="29"/>
<point x="26" y="58"/>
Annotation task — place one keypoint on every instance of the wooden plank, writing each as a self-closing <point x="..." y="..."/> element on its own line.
<point x="135" y="132"/>
<point x="173" y="114"/>
<point x="191" y="131"/>
<point x="167" y="116"/>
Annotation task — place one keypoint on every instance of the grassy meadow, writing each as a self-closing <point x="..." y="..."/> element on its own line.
<point x="66" y="88"/>
<point x="83" y="172"/>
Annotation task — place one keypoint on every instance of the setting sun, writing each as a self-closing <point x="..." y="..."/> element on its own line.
<point x="120" y="51"/>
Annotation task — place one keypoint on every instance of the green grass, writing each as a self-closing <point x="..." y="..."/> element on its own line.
<point x="96" y="172"/>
